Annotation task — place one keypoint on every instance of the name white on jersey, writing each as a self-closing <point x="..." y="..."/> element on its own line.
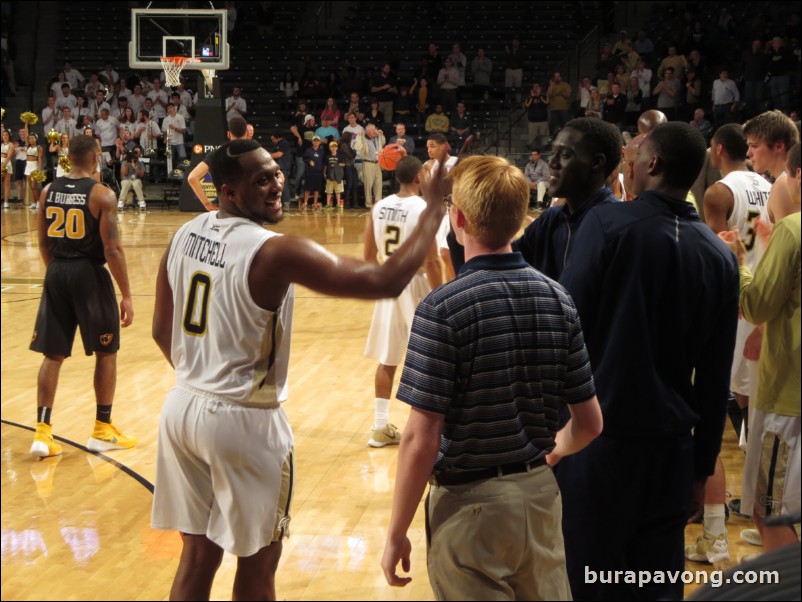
<point x="751" y="196"/>
<point x="224" y="345"/>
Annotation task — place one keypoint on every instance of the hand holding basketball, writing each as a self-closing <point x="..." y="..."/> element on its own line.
<point x="390" y="155"/>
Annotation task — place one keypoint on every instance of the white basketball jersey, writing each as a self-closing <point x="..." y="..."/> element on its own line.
<point x="224" y="345"/>
<point x="751" y="195"/>
<point x="393" y="220"/>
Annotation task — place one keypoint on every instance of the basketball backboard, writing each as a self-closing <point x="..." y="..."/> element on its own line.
<point x="194" y="33"/>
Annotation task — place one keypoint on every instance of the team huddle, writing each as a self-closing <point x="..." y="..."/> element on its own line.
<point x="590" y="357"/>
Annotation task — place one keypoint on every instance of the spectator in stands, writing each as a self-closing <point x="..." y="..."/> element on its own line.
<point x="421" y="95"/>
<point x="754" y="67"/>
<point x="401" y="138"/>
<point x="583" y="94"/>
<point x="514" y="70"/>
<point x="132" y="170"/>
<point x="668" y="94"/>
<point x="121" y="90"/>
<point x="433" y="62"/>
<point x="482" y="69"/>
<point x="174" y="127"/>
<point x="55" y="87"/>
<point x="98" y="103"/>
<point x="373" y="115"/>
<point x="634" y="105"/>
<point x="289" y="89"/>
<point x="403" y="105"/>
<point x="447" y="80"/>
<point x="629" y="58"/>
<point x="73" y="76"/>
<point x="621" y="76"/>
<point x="559" y="93"/>
<point x="644" y="76"/>
<point x="67" y="99"/>
<point x="81" y="108"/>
<point x="81" y="123"/>
<point x="674" y="61"/>
<point x="297" y="127"/>
<point x="353" y="128"/>
<point x="537" y="112"/>
<point x="106" y="127"/>
<point x="781" y="63"/>
<point x="331" y="112"/>
<point x="460" y="123"/>
<point x="160" y="100"/>
<point x="703" y="125"/>
<point x="66" y="125"/>
<point x="693" y="93"/>
<point x="148" y="108"/>
<point x="147" y="132"/>
<point x="186" y="97"/>
<point x="537" y="176"/>
<point x="93" y="85"/>
<point x="137" y="100"/>
<point x="460" y="61"/>
<point x="146" y="84"/>
<point x="327" y="132"/>
<point x="621" y="44"/>
<point x="385" y="89"/>
<point x="180" y="109"/>
<point x="725" y="99"/>
<point x="128" y="121"/>
<point x="332" y="85"/>
<point x="50" y="114"/>
<point x="594" y="108"/>
<point x="118" y="108"/>
<point x="614" y="107"/>
<point x="235" y="104"/>
<point x="109" y="74"/>
<point x="437" y="122"/>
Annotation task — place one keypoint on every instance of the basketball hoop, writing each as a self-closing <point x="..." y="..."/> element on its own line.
<point x="173" y="65"/>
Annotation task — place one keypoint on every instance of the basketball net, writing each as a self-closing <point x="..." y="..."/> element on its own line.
<point x="173" y="65"/>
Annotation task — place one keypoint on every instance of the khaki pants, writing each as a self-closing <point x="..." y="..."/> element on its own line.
<point x="372" y="178"/>
<point x="125" y="190"/>
<point x="538" y="128"/>
<point x="498" y="539"/>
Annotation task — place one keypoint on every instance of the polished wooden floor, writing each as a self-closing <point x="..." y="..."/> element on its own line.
<point x="77" y="527"/>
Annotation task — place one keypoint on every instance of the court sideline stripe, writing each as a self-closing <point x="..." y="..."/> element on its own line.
<point x="131" y="473"/>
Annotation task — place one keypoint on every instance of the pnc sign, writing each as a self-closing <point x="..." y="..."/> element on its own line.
<point x="199" y="149"/>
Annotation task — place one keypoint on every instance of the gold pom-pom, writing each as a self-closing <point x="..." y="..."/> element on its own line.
<point x="3" y="171"/>
<point x="2" y="114"/>
<point x="53" y="136"/>
<point x="29" y="118"/>
<point x="65" y="164"/>
<point x="38" y="176"/>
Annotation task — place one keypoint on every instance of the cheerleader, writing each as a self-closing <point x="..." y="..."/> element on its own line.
<point x="62" y="148"/>
<point x="7" y="152"/>
<point x="35" y="160"/>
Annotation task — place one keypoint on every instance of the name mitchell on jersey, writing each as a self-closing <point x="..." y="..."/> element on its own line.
<point x="205" y="250"/>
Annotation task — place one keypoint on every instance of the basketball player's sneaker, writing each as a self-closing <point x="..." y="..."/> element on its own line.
<point x="43" y="443"/>
<point x="389" y="435"/>
<point x="107" y="437"/>
<point x="708" y="548"/>
<point x="752" y="536"/>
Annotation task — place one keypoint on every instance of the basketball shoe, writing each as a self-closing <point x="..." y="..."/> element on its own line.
<point x="389" y="435"/>
<point x="43" y="443"/>
<point x="107" y="437"/>
<point x="708" y="548"/>
<point x="752" y="536"/>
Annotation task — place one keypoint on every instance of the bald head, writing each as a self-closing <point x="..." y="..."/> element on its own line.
<point x="630" y="154"/>
<point x="650" y="120"/>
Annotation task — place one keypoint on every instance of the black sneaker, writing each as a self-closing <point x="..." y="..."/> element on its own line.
<point x="735" y="507"/>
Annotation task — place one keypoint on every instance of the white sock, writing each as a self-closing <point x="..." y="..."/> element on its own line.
<point x="714" y="519"/>
<point x="381" y="413"/>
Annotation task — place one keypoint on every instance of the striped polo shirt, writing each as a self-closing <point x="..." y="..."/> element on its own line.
<point x="496" y="350"/>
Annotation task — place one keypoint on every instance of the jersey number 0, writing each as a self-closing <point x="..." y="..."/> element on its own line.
<point x="197" y="309"/>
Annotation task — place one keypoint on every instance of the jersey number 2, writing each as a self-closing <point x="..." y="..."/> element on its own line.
<point x="393" y="236"/>
<point x="197" y="310"/>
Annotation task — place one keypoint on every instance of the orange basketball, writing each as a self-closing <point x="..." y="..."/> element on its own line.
<point x="390" y="155"/>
